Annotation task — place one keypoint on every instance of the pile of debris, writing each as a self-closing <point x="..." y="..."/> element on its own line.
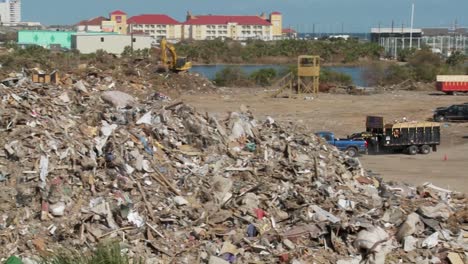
<point x="354" y="90"/>
<point x="410" y="85"/>
<point x="80" y="166"/>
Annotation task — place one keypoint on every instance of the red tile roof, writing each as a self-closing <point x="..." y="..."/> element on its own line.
<point x="153" y="19"/>
<point x="223" y="20"/>
<point x="288" y="31"/>
<point x="97" y="21"/>
<point x="118" y="12"/>
<point x="276" y="13"/>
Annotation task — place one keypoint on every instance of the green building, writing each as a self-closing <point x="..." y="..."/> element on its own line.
<point x="45" y="38"/>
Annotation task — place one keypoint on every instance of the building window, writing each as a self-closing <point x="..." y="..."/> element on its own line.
<point x="134" y="39"/>
<point x="102" y="39"/>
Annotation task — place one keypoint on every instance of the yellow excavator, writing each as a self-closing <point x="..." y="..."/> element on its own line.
<point x="176" y="64"/>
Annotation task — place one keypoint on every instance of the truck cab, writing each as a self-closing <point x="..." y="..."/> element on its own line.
<point x="352" y="147"/>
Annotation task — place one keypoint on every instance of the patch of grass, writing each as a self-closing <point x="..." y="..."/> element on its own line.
<point x="104" y="254"/>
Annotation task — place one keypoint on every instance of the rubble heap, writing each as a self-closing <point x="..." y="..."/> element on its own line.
<point x="80" y="166"/>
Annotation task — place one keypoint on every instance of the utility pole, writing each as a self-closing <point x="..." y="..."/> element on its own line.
<point x="131" y="38"/>
<point x="379" y="32"/>
<point x="411" y="29"/>
<point x="455" y="35"/>
<point x="393" y="39"/>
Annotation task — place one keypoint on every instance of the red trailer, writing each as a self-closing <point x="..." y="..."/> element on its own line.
<point x="452" y="84"/>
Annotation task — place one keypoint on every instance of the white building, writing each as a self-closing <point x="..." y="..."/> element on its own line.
<point x="111" y="43"/>
<point x="10" y="11"/>
<point x="91" y="25"/>
<point x="233" y="27"/>
<point x="157" y="26"/>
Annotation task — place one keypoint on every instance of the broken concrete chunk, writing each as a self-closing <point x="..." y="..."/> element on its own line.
<point x="346" y="204"/>
<point x="221" y="188"/>
<point x="64" y="97"/>
<point x="431" y="241"/>
<point x="145" y="119"/>
<point x="228" y="247"/>
<point x="409" y="243"/>
<point x="412" y="225"/>
<point x="322" y="215"/>
<point x="240" y="126"/>
<point x="302" y="230"/>
<point x="135" y="218"/>
<point x="57" y="209"/>
<point x="118" y="99"/>
<point x="179" y="200"/>
<point x="216" y="260"/>
<point x="374" y="244"/>
<point x="79" y="86"/>
<point x="441" y="210"/>
<point x="289" y="245"/>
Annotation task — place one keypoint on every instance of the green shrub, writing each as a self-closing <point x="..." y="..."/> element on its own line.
<point x="405" y="54"/>
<point x="127" y="52"/>
<point x="425" y="64"/>
<point x="395" y="74"/>
<point x="232" y="76"/>
<point x="263" y="77"/>
<point x="328" y="76"/>
<point x="455" y="59"/>
<point x="101" y="56"/>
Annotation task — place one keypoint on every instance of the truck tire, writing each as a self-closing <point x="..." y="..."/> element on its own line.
<point x="413" y="150"/>
<point x="425" y="149"/>
<point x="439" y="118"/>
<point x="352" y="152"/>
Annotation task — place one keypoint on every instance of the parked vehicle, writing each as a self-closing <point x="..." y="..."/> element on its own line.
<point x="452" y="84"/>
<point x="409" y="137"/>
<point x="451" y="113"/>
<point x="352" y="147"/>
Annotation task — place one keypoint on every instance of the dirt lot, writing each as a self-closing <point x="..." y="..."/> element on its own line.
<point x="345" y="114"/>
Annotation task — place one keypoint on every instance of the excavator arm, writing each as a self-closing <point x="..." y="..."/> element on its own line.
<point x="176" y="63"/>
<point x="174" y="56"/>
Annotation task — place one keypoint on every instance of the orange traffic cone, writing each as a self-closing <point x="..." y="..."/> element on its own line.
<point x="445" y="157"/>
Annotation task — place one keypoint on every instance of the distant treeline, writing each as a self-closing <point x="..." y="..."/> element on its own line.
<point x="281" y="51"/>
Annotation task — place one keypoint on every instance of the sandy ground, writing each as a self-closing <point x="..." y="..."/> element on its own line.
<point x="346" y="114"/>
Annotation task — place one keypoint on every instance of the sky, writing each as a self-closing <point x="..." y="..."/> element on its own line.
<point x="332" y="16"/>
